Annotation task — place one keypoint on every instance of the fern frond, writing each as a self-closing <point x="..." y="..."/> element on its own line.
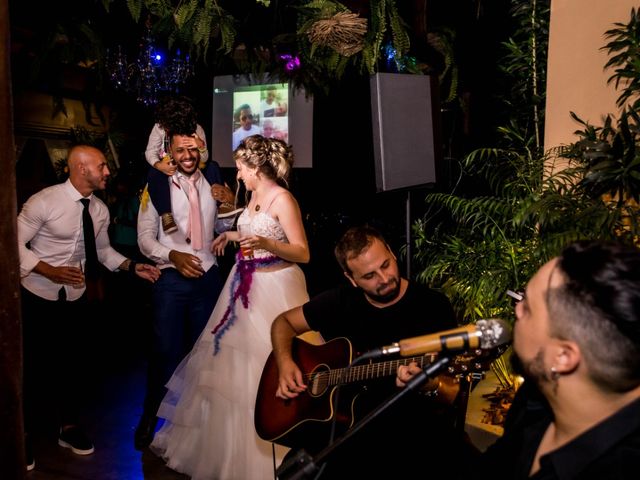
<point x="202" y="27"/>
<point x="184" y="13"/>
<point x="399" y="33"/>
<point x="135" y="8"/>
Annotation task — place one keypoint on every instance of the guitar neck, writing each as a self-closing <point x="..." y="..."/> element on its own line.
<point x="370" y="371"/>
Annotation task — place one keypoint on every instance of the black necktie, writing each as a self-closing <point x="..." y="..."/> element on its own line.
<point x="91" y="254"/>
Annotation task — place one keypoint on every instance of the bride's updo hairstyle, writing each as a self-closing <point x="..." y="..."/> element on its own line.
<point x="272" y="157"/>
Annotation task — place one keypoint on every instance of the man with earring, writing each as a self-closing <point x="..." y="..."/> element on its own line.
<point x="188" y="289"/>
<point x="576" y="340"/>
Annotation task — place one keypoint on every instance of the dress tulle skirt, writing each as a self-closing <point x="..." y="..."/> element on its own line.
<point x="208" y="431"/>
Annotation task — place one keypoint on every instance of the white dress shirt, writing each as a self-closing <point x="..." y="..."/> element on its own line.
<point x="156" y="144"/>
<point x="156" y="244"/>
<point x="51" y="220"/>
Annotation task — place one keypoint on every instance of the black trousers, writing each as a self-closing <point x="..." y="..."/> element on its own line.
<point x="182" y="307"/>
<point x="56" y="360"/>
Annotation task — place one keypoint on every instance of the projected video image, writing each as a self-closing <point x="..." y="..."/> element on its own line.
<point x="246" y="105"/>
<point x="261" y="109"/>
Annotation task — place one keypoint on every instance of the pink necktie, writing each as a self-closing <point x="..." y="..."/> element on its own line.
<point x="195" y="223"/>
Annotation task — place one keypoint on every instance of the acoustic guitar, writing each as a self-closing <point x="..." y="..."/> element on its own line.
<point x="324" y="368"/>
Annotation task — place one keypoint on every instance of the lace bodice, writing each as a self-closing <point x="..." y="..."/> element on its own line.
<point x="264" y="225"/>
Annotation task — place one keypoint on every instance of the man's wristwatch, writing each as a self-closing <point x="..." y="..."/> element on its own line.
<point x="132" y="266"/>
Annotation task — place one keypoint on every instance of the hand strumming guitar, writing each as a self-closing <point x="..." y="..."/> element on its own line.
<point x="290" y="381"/>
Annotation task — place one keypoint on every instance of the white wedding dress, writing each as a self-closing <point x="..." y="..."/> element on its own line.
<point x="209" y="431"/>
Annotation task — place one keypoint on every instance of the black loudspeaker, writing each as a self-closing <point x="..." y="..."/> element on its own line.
<point x="404" y="131"/>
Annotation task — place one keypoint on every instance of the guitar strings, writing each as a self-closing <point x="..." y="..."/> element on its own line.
<point x="363" y="372"/>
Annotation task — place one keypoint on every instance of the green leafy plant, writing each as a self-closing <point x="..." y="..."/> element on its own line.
<point x="476" y="246"/>
<point x="624" y="51"/>
<point x="194" y="23"/>
<point x="610" y="154"/>
<point x="483" y="245"/>
<point x="198" y="24"/>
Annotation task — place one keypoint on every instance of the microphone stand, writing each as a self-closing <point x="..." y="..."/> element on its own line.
<point x="303" y="465"/>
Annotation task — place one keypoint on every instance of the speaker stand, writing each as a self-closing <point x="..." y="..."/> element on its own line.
<point x="407" y="208"/>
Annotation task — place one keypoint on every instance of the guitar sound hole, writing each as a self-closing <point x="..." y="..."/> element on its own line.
<point x="319" y="381"/>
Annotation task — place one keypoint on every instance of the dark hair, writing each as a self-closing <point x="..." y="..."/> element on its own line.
<point x="236" y="114"/>
<point x="179" y="129"/>
<point x="177" y="115"/>
<point x="353" y="242"/>
<point x="598" y="307"/>
<point x="272" y="157"/>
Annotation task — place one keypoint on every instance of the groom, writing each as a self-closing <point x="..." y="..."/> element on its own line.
<point x="190" y="283"/>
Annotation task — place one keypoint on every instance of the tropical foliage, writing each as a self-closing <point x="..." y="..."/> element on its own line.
<point x="194" y="23"/>
<point x="478" y="247"/>
<point x="200" y="25"/>
<point x="624" y="51"/>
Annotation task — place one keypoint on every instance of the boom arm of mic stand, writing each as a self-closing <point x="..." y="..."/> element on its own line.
<point x="303" y="464"/>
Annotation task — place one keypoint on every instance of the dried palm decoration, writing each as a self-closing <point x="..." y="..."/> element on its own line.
<point x="344" y="32"/>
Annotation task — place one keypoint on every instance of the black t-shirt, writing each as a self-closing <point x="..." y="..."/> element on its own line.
<point x="414" y="427"/>
<point x="345" y="312"/>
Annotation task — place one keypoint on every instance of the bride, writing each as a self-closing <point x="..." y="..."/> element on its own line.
<point x="208" y="431"/>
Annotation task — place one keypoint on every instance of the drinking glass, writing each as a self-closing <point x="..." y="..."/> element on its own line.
<point x="79" y="264"/>
<point x="244" y="229"/>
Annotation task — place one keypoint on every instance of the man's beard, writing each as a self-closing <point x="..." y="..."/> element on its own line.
<point x="387" y="298"/>
<point x="532" y="370"/>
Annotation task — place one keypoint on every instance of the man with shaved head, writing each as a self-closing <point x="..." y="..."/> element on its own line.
<point x="51" y="244"/>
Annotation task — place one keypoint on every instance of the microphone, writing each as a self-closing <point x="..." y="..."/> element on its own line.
<point x="483" y="334"/>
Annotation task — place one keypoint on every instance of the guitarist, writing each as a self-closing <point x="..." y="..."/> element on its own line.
<point x="378" y="307"/>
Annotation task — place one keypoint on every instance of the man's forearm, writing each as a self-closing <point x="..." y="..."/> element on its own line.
<point x="282" y="334"/>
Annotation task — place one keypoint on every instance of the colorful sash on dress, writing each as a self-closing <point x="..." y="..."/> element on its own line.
<point x="239" y="288"/>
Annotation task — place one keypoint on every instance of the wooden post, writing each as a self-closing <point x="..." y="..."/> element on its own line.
<point x="12" y="459"/>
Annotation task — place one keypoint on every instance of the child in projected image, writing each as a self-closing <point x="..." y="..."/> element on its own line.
<point x="170" y="112"/>
<point x="273" y="105"/>
<point x="268" y="104"/>
<point x="244" y="117"/>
